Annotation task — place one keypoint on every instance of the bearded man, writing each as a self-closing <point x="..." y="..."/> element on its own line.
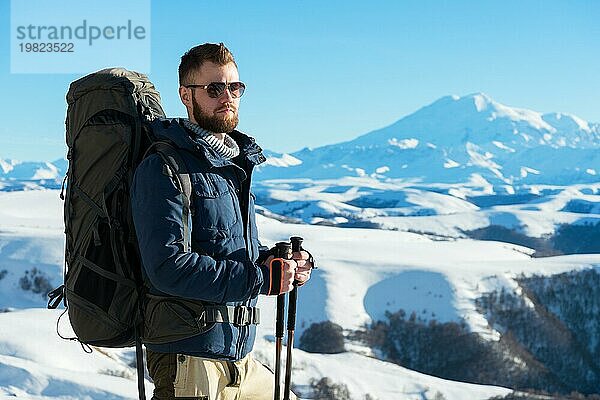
<point x="201" y="312"/>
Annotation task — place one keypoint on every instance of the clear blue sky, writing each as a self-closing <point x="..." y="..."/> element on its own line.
<point x="321" y="72"/>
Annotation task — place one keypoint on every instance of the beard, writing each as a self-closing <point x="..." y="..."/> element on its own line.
<point x="214" y="123"/>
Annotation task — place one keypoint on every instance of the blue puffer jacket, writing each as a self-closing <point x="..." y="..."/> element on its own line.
<point x="221" y="267"/>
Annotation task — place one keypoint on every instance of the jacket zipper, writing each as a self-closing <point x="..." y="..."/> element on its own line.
<point x="244" y="194"/>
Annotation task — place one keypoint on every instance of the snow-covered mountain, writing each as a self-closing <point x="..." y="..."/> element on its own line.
<point x="456" y="139"/>
<point x="22" y="175"/>
<point x="453" y="140"/>
<point x="32" y="170"/>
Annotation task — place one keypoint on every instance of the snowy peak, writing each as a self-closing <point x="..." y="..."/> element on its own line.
<point x="567" y="122"/>
<point x="6" y="166"/>
<point x="279" y="160"/>
<point x="481" y="100"/>
<point x="17" y="175"/>
<point x="479" y="107"/>
<point x="33" y="170"/>
<point x="494" y="110"/>
<point x="455" y="139"/>
<point x="453" y="121"/>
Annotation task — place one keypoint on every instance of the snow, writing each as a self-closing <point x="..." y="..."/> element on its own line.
<point x="532" y="118"/>
<point x="285" y="160"/>
<point x="31" y="170"/>
<point x="21" y="209"/>
<point x="509" y="189"/>
<point x="404" y="143"/>
<point x="438" y="209"/>
<point x="526" y="170"/>
<point x="362" y="273"/>
<point x="502" y="146"/>
<point x="567" y="121"/>
<point x="481" y="102"/>
<point x="451" y="164"/>
<point x="50" y="172"/>
<point x="7" y="165"/>
<point x="483" y="160"/>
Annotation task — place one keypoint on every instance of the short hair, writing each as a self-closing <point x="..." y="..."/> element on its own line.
<point x="193" y="59"/>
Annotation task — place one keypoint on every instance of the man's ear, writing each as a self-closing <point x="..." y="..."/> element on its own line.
<point x="185" y="95"/>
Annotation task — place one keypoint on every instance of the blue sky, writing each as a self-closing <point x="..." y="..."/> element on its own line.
<point x="325" y="72"/>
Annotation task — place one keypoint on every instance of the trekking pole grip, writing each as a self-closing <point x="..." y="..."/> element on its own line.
<point x="293" y="299"/>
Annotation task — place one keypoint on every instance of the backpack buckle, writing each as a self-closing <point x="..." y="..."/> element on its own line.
<point x="241" y="316"/>
<point x="201" y="320"/>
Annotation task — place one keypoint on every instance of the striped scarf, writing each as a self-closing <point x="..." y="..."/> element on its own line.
<point x="227" y="148"/>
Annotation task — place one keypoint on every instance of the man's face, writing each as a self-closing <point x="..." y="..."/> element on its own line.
<point x="218" y="114"/>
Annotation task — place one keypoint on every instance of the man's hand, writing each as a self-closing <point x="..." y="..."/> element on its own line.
<point x="305" y="265"/>
<point x="287" y="275"/>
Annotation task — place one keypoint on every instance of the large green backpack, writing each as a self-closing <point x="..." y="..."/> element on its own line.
<point x="108" y="134"/>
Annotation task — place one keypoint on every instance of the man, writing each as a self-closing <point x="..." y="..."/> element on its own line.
<point x="200" y="315"/>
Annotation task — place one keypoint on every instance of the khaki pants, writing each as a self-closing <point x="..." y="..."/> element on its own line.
<point x="178" y="376"/>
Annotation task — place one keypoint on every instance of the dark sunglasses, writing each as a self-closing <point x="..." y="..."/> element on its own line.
<point x="216" y="89"/>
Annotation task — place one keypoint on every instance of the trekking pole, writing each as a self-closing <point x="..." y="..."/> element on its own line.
<point x="291" y="324"/>
<point x="282" y="250"/>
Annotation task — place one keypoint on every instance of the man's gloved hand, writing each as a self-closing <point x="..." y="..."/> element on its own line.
<point x="305" y="264"/>
<point x="282" y="274"/>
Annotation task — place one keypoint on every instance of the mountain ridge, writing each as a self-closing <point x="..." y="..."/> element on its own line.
<point x="452" y="140"/>
<point x="457" y="138"/>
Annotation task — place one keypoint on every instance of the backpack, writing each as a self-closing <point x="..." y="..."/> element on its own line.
<point x="108" y="134"/>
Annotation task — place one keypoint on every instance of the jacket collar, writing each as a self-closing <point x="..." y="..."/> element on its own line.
<point x="173" y="130"/>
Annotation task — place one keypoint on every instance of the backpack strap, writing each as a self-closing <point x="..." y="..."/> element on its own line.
<point x="178" y="170"/>
<point x="139" y="363"/>
<point x="179" y="173"/>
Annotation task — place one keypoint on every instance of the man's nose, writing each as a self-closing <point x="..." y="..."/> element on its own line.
<point x="226" y="96"/>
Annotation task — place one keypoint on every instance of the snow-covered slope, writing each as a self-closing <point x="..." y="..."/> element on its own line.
<point x="362" y="273"/>
<point x="440" y="209"/>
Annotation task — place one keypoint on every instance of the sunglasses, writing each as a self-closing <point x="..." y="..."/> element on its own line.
<point x="216" y="89"/>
